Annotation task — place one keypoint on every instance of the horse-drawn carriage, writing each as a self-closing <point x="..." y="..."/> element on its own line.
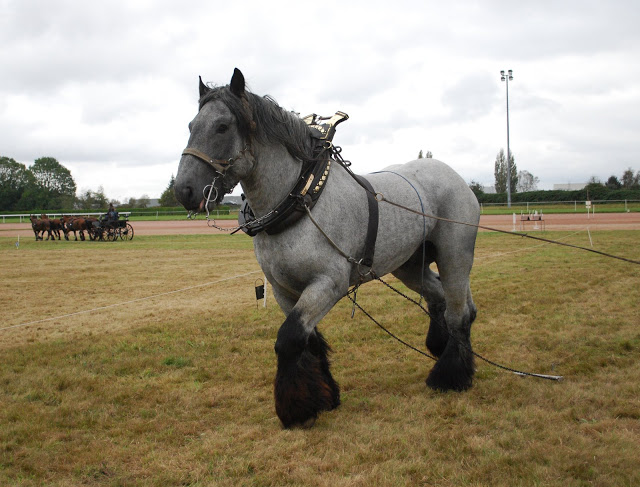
<point x="111" y="229"/>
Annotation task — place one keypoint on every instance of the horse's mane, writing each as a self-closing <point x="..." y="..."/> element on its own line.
<point x="272" y="122"/>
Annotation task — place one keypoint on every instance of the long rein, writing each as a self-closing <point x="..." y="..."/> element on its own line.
<point x="352" y="293"/>
<point x="380" y="197"/>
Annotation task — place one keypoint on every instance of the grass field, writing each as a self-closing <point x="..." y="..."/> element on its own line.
<point x="136" y="384"/>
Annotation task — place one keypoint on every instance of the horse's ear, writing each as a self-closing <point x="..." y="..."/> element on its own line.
<point x="204" y="89"/>
<point x="237" y="83"/>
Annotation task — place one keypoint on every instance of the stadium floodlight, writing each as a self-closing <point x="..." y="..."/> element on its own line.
<point x="508" y="78"/>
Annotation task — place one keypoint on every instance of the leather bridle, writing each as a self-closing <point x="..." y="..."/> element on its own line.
<point x="219" y="165"/>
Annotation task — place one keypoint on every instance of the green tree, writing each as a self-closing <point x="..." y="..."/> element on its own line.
<point x="613" y="183"/>
<point x="101" y="200"/>
<point x="92" y="200"/>
<point x="15" y="178"/>
<point x="630" y="180"/>
<point x="168" y="197"/>
<point x="527" y="182"/>
<point x="476" y="187"/>
<point x="500" y="173"/>
<point x="143" y="201"/>
<point x="54" y="181"/>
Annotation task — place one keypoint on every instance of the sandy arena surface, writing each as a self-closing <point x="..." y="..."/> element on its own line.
<point x="565" y="221"/>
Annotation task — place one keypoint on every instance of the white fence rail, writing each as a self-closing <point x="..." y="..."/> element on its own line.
<point x="24" y="218"/>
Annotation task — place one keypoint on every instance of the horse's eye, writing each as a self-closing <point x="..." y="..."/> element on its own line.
<point x="222" y="129"/>
<point x="190" y="126"/>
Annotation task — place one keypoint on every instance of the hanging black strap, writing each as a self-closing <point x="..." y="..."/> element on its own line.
<point x="372" y="225"/>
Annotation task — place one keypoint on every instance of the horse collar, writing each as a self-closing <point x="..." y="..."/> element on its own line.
<point x="304" y="194"/>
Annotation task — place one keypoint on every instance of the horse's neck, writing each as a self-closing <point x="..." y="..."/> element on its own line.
<point x="272" y="178"/>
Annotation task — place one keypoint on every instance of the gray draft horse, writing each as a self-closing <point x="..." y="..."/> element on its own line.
<point x="239" y="137"/>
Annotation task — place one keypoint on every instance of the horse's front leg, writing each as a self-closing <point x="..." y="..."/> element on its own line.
<point x="303" y="385"/>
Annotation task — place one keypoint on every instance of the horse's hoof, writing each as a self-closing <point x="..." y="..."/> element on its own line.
<point x="453" y="371"/>
<point x="306" y="425"/>
<point x="303" y="390"/>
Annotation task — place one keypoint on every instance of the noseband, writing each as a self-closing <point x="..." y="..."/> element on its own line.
<point x="219" y="165"/>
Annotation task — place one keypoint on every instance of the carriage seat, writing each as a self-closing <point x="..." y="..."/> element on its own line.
<point x="324" y="128"/>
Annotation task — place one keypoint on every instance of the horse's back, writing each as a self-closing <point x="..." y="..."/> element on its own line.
<point x="442" y="190"/>
<point x="427" y="186"/>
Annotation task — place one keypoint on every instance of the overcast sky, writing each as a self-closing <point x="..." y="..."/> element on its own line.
<point x="108" y="88"/>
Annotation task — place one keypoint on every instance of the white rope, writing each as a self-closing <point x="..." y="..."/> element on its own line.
<point x="131" y="301"/>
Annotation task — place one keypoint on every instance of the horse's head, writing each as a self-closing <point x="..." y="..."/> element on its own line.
<point x="219" y="151"/>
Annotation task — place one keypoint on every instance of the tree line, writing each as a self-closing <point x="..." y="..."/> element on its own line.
<point x="525" y="182"/>
<point x="48" y="185"/>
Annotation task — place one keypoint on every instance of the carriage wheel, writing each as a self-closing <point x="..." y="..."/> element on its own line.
<point x="111" y="235"/>
<point x="126" y="232"/>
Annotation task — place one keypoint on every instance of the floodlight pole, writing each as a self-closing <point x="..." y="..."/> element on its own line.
<point x="507" y="77"/>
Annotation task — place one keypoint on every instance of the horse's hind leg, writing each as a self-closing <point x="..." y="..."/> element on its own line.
<point x="427" y="283"/>
<point x="455" y="368"/>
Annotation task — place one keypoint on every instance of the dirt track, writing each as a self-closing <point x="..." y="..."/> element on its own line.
<point x="565" y="221"/>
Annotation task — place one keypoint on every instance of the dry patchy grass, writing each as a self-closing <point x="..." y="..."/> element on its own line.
<point x="177" y="389"/>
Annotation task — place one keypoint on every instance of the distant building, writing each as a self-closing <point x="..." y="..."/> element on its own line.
<point x="489" y="189"/>
<point x="569" y="186"/>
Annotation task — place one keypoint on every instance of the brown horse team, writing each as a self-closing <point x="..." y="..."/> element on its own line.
<point x="66" y="223"/>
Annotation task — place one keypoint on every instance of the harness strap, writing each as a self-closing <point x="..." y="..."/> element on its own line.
<point x="372" y="225"/>
<point x="219" y="165"/>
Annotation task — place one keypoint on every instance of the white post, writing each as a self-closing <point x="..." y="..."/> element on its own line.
<point x="514" y="223"/>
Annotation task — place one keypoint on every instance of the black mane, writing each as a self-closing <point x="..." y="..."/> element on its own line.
<point x="272" y="122"/>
